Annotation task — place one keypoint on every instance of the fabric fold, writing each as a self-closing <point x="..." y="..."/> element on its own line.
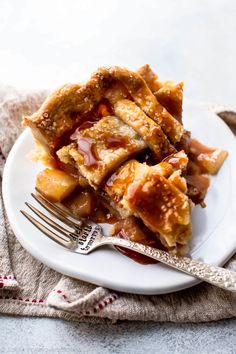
<point x="7" y="277"/>
<point x="80" y="298"/>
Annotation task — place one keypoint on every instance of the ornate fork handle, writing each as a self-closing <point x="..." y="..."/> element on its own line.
<point x="217" y="276"/>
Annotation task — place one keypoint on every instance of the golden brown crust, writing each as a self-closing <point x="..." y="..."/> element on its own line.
<point x="52" y="120"/>
<point x="144" y="98"/>
<point x="150" y="131"/>
<point x="144" y="191"/>
<point x="150" y="77"/>
<point x="172" y="212"/>
<point x="62" y="110"/>
<point x="171" y="97"/>
<point x="167" y="93"/>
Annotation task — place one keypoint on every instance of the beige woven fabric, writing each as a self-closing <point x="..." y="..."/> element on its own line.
<point x="27" y="287"/>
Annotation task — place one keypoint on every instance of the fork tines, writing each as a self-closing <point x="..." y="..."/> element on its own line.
<point x="63" y="235"/>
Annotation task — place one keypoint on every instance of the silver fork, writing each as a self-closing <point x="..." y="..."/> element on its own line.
<point x="85" y="238"/>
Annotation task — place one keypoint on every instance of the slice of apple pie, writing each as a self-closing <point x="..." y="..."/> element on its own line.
<point x="118" y="153"/>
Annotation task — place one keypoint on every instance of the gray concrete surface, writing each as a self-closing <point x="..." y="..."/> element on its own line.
<point x="47" y="43"/>
<point x="39" y="335"/>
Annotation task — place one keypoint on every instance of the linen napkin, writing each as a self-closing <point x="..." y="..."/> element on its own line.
<point x="27" y="287"/>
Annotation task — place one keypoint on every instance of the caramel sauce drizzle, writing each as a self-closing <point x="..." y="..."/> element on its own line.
<point x="116" y="141"/>
<point x="87" y="148"/>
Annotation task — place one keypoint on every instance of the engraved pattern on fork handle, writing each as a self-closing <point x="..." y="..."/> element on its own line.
<point x="220" y="277"/>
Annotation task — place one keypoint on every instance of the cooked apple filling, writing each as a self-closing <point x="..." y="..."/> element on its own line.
<point x="119" y="153"/>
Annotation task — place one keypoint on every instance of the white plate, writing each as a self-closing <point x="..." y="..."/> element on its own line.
<point x="213" y="240"/>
